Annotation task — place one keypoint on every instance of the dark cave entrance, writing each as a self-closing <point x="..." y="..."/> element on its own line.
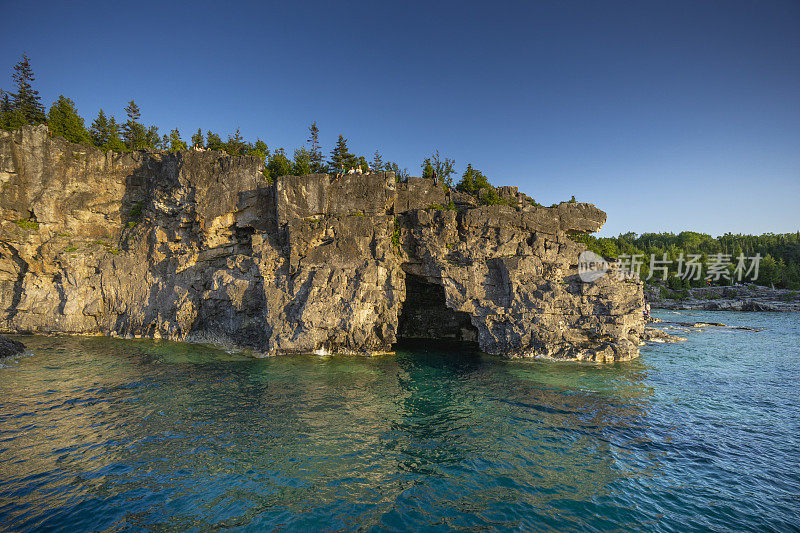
<point x="425" y="319"/>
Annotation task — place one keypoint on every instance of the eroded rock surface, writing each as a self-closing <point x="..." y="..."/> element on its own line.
<point x="197" y="246"/>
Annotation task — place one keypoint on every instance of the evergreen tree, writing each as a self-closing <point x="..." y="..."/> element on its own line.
<point x="133" y="112"/>
<point x="467" y="182"/>
<point x="99" y="131"/>
<point x="302" y="161"/>
<point x="259" y="149"/>
<point x="377" y="162"/>
<point x="399" y="174"/>
<point x="444" y="168"/>
<point x="6" y="111"/>
<point x="236" y="144"/>
<point x="472" y="181"/>
<point x="151" y="138"/>
<point x="490" y="197"/>
<point x="174" y="141"/>
<point x="26" y="100"/>
<point x="278" y="165"/>
<point x="114" y="141"/>
<point x="105" y="133"/>
<point x="63" y="119"/>
<point x="214" y="142"/>
<point x="197" y="139"/>
<point x="315" y="150"/>
<point x="427" y="168"/>
<point x="16" y="118"/>
<point x="133" y="132"/>
<point x="768" y="271"/>
<point x="340" y="155"/>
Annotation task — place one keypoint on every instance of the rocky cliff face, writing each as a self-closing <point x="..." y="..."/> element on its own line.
<point x="196" y="246"/>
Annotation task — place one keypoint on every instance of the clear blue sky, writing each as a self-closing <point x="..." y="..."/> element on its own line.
<point x="668" y="115"/>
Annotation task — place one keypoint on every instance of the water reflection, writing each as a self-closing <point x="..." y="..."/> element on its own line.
<point x="536" y="427"/>
<point x="102" y="433"/>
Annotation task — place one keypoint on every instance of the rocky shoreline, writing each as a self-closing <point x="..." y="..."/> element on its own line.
<point x="664" y="331"/>
<point x="198" y="246"/>
<point x="743" y="297"/>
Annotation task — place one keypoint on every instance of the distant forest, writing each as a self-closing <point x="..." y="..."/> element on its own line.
<point x="779" y="266"/>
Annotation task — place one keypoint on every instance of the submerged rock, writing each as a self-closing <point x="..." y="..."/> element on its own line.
<point x="708" y="324"/>
<point x="657" y="334"/>
<point x="652" y="334"/>
<point x="198" y="246"/>
<point x="9" y="347"/>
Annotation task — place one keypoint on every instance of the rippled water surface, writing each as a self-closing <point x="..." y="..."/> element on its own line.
<point x="103" y="434"/>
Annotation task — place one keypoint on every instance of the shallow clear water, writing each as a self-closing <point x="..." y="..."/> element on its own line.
<point x="104" y="434"/>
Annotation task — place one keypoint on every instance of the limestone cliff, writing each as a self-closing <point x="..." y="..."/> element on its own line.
<point x="197" y="246"/>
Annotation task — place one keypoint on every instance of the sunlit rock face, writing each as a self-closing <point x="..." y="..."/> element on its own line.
<point x="198" y="246"/>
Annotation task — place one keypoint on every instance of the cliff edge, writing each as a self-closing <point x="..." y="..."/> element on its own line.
<point x="197" y="246"/>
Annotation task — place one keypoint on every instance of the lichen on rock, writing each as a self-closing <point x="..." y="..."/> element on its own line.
<point x="197" y="246"/>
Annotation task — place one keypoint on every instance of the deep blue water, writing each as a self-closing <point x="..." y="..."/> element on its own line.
<point x="104" y="434"/>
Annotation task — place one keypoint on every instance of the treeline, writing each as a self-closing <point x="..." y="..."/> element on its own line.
<point x="24" y="106"/>
<point x="779" y="264"/>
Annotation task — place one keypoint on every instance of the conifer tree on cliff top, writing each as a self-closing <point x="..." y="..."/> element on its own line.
<point x="340" y="155"/>
<point x="133" y="132"/>
<point x="174" y="141"/>
<point x="377" y="162"/>
<point x="99" y="129"/>
<point x="152" y="139"/>
<point x="444" y="168"/>
<point x="105" y="133"/>
<point x="472" y="181"/>
<point x="214" y="141"/>
<point x="236" y="144"/>
<point x="278" y="165"/>
<point x="301" y="163"/>
<point x="6" y="111"/>
<point x="315" y="149"/>
<point x="198" y="141"/>
<point x="63" y="119"/>
<point x="26" y="101"/>
<point x="114" y="140"/>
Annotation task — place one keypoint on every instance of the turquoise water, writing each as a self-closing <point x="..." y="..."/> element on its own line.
<point x="104" y="434"/>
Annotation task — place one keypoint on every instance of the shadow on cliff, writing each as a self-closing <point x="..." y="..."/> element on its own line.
<point x="425" y="321"/>
<point x="16" y="282"/>
<point x="190" y="250"/>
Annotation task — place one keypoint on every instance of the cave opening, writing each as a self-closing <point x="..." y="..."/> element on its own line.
<point x="425" y="319"/>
